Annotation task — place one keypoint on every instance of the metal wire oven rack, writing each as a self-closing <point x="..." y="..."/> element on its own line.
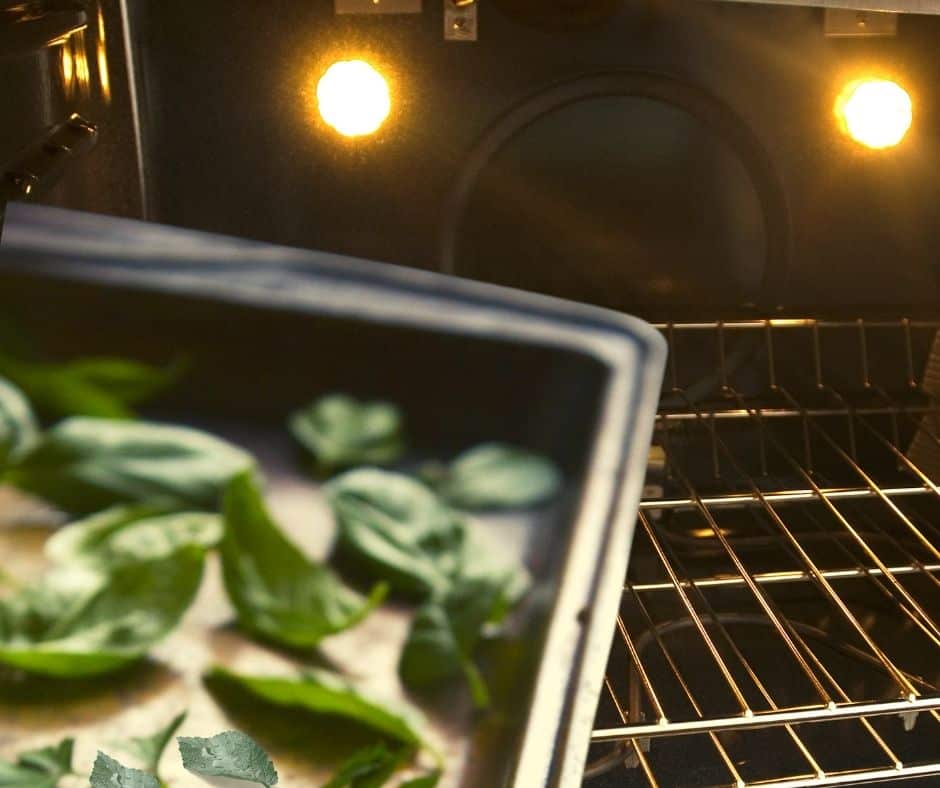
<point x="779" y="622"/>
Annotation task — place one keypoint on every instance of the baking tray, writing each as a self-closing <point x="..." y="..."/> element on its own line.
<point x="270" y="328"/>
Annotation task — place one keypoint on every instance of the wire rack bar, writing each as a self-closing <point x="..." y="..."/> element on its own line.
<point x="769" y="578"/>
<point x="784" y="496"/>
<point x="788" y="469"/>
<point x="664" y="728"/>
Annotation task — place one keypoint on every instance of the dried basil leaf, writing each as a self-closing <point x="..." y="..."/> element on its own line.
<point x="231" y="754"/>
<point x="84" y="465"/>
<point x="42" y="768"/>
<point x="397" y="529"/>
<point x="108" y="773"/>
<point x="445" y="632"/>
<point x="340" y="431"/>
<point x="131" y="533"/>
<point x="105" y="388"/>
<point x="324" y="693"/>
<point x="369" y="767"/>
<point x="18" y="430"/>
<point x="82" y="622"/>
<point x="495" y="476"/>
<point x="277" y="591"/>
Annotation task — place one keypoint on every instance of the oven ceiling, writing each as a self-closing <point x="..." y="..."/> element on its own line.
<point x="896" y="6"/>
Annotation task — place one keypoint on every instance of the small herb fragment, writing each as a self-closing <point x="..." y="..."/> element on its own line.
<point x="41" y="768"/>
<point x="106" y="388"/>
<point x="82" y="622"/>
<point x="136" y="532"/>
<point x="340" y="431"/>
<point x="369" y="767"/>
<point x="321" y="692"/>
<point x="495" y="476"/>
<point x="231" y="754"/>
<point x="18" y="430"/>
<point x="278" y="592"/>
<point x="149" y="749"/>
<point x="108" y="773"/>
<point x="397" y="528"/>
<point x="84" y="465"/>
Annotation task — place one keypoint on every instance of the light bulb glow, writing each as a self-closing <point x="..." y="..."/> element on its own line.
<point x="353" y="98"/>
<point x="876" y="113"/>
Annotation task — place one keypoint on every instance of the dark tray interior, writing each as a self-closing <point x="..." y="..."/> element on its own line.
<point x="250" y="366"/>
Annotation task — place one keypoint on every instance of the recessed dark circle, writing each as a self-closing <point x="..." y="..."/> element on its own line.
<point x="622" y="200"/>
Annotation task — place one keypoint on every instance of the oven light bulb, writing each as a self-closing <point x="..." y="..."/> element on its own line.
<point x="876" y="113"/>
<point x="353" y="98"/>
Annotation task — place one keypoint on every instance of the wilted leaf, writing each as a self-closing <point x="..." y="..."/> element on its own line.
<point x="230" y="754"/>
<point x="42" y="768"/>
<point x="108" y="773"/>
<point x="495" y="476"/>
<point x="278" y="592"/>
<point x="324" y="693"/>
<point x="99" y="387"/>
<point x="340" y="431"/>
<point x="397" y="529"/>
<point x="18" y="430"/>
<point x="84" y="465"/>
<point x="81" y="622"/>
<point x="135" y="532"/>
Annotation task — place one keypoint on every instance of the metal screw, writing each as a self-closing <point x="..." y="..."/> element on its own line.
<point x="25" y="182"/>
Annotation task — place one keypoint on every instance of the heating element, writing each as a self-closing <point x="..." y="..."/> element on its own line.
<point x="779" y="622"/>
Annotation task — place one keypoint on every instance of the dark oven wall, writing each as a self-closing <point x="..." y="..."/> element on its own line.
<point x="631" y="201"/>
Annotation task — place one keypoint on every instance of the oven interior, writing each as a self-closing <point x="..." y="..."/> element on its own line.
<point x="779" y="622"/>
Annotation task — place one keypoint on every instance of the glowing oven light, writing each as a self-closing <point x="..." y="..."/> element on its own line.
<point x="353" y="98"/>
<point x="876" y="113"/>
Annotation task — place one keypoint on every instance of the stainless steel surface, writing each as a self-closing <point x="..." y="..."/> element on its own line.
<point x="460" y="20"/>
<point x="780" y="617"/>
<point x="893" y="6"/>
<point x="35" y="170"/>
<point x="296" y="324"/>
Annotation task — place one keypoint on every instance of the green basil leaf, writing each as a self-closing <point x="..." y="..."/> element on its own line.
<point x="100" y="387"/>
<point x="429" y="780"/>
<point x="149" y="749"/>
<point x="397" y="529"/>
<point x="277" y="591"/>
<point x="131" y="533"/>
<point x="230" y="754"/>
<point x="340" y="431"/>
<point x="445" y="632"/>
<point x="369" y="767"/>
<point x="41" y="768"/>
<point x="495" y="476"/>
<point x="82" y="622"/>
<point x="18" y="430"/>
<point x="324" y="693"/>
<point x="108" y="773"/>
<point x="84" y="465"/>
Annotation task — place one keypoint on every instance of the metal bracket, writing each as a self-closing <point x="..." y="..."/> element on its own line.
<point x="41" y="165"/>
<point x="460" y="20"/>
<point x="846" y="23"/>
<point x="27" y="27"/>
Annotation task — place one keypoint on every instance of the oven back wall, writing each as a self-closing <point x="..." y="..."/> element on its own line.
<point x="611" y="200"/>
